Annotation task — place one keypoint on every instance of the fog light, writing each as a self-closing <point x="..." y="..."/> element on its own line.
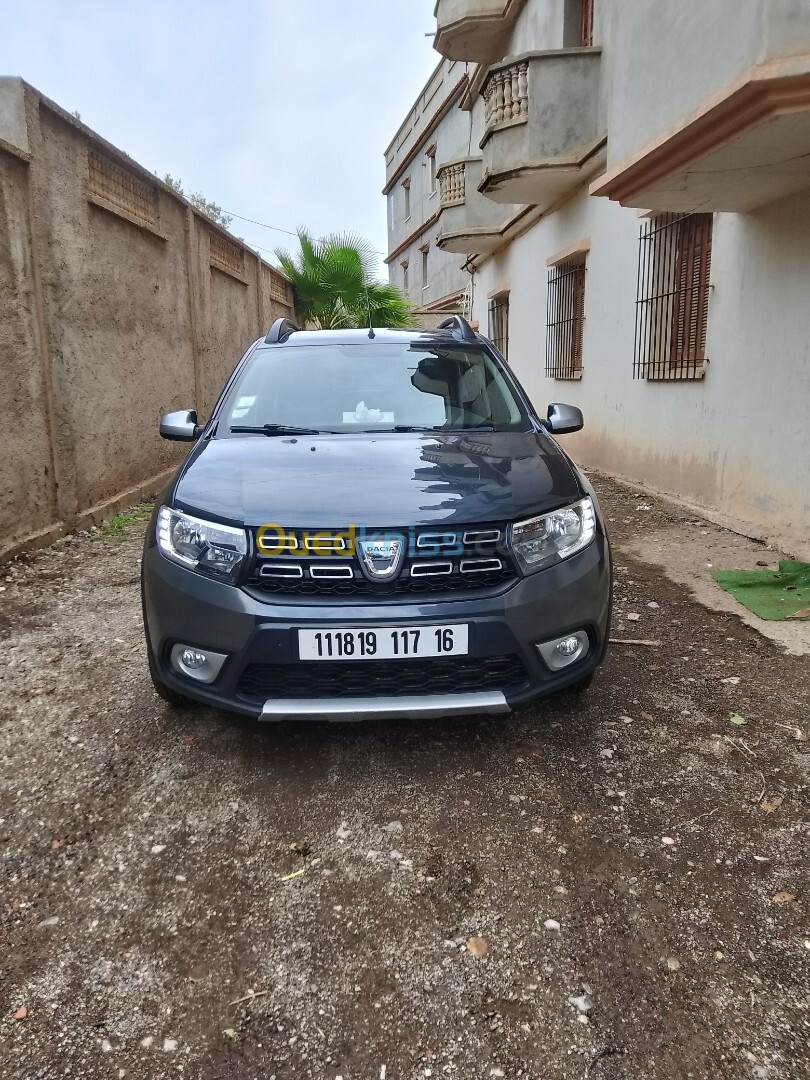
<point x="562" y="652"/>
<point x="200" y="664"/>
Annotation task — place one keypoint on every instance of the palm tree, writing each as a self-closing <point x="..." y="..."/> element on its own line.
<point x="334" y="287"/>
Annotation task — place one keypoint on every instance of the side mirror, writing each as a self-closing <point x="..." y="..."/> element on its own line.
<point x="180" y="426"/>
<point x="564" y="418"/>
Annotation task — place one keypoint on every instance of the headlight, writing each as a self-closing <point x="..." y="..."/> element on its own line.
<point x="547" y="539"/>
<point x="217" y="550"/>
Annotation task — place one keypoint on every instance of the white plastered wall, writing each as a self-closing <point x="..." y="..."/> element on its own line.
<point x="738" y="441"/>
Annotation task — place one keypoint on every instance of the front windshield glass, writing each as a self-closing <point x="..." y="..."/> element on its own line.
<point x="372" y="387"/>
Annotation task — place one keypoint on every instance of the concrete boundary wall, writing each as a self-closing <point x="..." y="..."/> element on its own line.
<point x="118" y="301"/>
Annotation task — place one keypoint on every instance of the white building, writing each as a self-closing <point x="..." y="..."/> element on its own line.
<point x="630" y="183"/>
<point x="435" y="130"/>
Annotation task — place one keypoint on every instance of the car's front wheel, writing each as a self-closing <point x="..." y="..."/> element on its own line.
<point x="580" y="686"/>
<point x="161" y="689"/>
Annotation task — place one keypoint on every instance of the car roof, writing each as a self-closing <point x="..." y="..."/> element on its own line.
<point x="361" y="337"/>
<point x="454" y="329"/>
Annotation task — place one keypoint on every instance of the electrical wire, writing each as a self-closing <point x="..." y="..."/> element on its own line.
<point x="276" y="228"/>
<point x="273" y="228"/>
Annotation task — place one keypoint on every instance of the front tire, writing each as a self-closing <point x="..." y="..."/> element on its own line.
<point x="581" y="686"/>
<point x="162" y="690"/>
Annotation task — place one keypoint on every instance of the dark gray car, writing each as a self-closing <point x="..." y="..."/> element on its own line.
<point x="374" y="524"/>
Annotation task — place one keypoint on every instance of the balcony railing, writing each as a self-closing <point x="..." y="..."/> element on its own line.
<point x="469" y="224"/>
<point x="452" y="184"/>
<point x="506" y="96"/>
<point x="543" y="125"/>
<point x="475" y="30"/>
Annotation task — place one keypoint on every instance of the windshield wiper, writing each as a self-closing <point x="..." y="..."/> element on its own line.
<point x="277" y="429"/>
<point x="412" y="427"/>
<point x="439" y="427"/>
<point x="407" y="428"/>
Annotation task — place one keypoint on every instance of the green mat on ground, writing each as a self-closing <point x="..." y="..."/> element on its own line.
<point x="771" y="594"/>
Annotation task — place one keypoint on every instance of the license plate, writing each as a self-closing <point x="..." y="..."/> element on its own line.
<point x="383" y="643"/>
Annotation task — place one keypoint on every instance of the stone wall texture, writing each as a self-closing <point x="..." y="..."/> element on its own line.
<point x="118" y="301"/>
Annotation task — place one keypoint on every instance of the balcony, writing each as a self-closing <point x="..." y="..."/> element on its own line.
<point x="743" y="149"/>
<point x="470" y="224"/>
<point x="544" y="135"/>
<point x="476" y="30"/>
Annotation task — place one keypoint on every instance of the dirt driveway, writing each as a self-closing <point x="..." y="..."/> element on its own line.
<point x="599" y="887"/>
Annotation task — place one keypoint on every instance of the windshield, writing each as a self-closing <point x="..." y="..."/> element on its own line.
<point x="374" y="387"/>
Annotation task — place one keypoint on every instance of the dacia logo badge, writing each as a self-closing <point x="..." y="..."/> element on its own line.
<point x="381" y="557"/>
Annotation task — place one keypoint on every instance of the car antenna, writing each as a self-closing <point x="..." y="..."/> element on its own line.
<point x="371" y="333"/>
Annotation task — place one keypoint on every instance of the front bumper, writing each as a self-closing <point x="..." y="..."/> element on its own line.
<point x="183" y="606"/>
<point x="393" y="707"/>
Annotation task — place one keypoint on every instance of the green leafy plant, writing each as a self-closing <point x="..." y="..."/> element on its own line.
<point x="335" y="288"/>
<point x="118" y="525"/>
<point x="199" y="202"/>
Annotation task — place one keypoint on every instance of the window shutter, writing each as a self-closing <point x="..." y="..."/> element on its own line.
<point x="578" y="315"/>
<point x="672" y="306"/>
<point x="586" y="25"/>
<point x="566" y="319"/>
<point x="499" y="323"/>
<point x="691" y="301"/>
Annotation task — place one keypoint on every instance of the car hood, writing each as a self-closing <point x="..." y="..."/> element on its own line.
<point x="379" y="481"/>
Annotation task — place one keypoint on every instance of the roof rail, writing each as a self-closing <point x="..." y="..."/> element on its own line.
<point x="280" y="331"/>
<point x="459" y="327"/>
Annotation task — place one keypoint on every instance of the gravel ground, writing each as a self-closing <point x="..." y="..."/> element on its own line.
<point x="603" y="886"/>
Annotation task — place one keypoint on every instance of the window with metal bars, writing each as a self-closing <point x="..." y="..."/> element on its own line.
<point x="566" y="319"/>
<point x="675" y="256"/>
<point x="499" y="323"/>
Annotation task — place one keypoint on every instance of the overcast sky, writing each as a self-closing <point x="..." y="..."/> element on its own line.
<point x="278" y="110"/>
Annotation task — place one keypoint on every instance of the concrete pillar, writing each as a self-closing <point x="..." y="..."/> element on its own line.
<point x="62" y="437"/>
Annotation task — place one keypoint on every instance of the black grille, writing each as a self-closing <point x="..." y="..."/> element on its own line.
<point x="470" y="559"/>
<point x="380" y="678"/>
<point x="403" y="586"/>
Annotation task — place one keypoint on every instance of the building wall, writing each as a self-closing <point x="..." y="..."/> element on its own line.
<point x="539" y="26"/>
<point x="104" y="324"/>
<point x="434" y="120"/>
<point x="27" y="489"/>
<point x="738" y="440"/>
<point x="674" y="58"/>
<point x="556" y="24"/>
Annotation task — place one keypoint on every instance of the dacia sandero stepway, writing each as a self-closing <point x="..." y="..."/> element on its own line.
<point x="374" y="523"/>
